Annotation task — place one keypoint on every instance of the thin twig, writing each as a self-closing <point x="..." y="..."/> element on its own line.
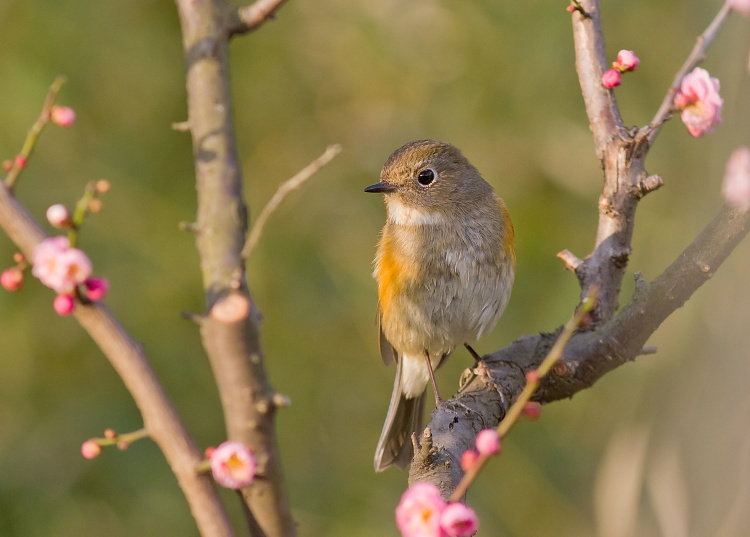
<point x="697" y="55"/>
<point x="34" y="131"/>
<point x="554" y="355"/>
<point x="251" y="17"/>
<point x="282" y="192"/>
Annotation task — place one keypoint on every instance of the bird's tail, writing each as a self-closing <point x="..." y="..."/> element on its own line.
<point x="404" y="418"/>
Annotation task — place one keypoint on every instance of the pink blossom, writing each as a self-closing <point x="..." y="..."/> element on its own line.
<point x="12" y="278"/>
<point x="59" y="266"/>
<point x="233" y="465"/>
<point x="736" y="185"/>
<point x="698" y="98"/>
<point x="64" y="304"/>
<point x="418" y="513"/>
<point x="62" y="115"/>
<point x="459" y="520"/>
<point x="468" y="458"/>
<point x="626" y="60"/>
<point x="19" y="161"/>
<point x="611" y="78"/>
<point x="90" y="449"/>
<point x="96" y="288"/>
<point x="743" y="6"/>
<point x="57" y="215"/>
<point x="488" y="442"/>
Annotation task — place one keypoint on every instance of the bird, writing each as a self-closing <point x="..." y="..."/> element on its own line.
<point x="444" y="266"/>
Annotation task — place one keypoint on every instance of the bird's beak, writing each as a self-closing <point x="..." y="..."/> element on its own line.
<point x="381" y="188"/>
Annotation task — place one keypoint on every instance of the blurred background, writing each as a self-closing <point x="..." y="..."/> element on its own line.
<point x="660" y="447"/>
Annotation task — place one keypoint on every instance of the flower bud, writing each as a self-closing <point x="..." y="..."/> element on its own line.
<point x="58" y="216"/>
<point x="611" y="78"/>
<point x="62" y="115"/>
<point x="488" y="442"/>
<point x="64" y="304"/>
<point x="12" y="278"/>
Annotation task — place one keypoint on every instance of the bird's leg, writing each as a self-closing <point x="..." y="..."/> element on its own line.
<point x="438" y="399"/>
<point x="473" y="353"/>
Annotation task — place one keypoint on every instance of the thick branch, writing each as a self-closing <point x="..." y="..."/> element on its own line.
<point x="127" y="357"/>
<point x="233" y="349"/>
<point x="621" y="159"/>
<point x="486" y="396"/>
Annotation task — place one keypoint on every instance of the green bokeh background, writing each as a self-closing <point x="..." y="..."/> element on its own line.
<point x="659" y="447"/>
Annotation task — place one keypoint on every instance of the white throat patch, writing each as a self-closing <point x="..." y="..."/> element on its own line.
<point x="404" y="215"/>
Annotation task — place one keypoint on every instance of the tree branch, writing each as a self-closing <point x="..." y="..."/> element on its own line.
<point x="233" y="349"/>
<point x="127" y="357"/>
<point x="249" y="18"/>
<point x="490" y="389"/>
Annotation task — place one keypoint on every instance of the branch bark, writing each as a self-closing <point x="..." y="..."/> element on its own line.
<point x="489" y="390"/>
<point x="233" y="349"/>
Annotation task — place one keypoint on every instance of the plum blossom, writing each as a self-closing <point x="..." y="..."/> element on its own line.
<point x="233" y="465"/>
<point x="96" y="288"/>
<point x="611" y="78"/>
<point x="418" y="513"/>
<point x="57" y="215"/>
<point x="12" y="278"/>
<point x="62" y="115"/>
<point x="736" y="185"/>
<point x="59" y="266"/>
<point x="698" y="98"/>
<point x="626" y="60"/>
<point x="488" y="442"/>
<point x="459" y="520"/>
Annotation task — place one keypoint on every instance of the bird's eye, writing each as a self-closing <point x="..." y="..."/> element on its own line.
<point x="426" y="177"/>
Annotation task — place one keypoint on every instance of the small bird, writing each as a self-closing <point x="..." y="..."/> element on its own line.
<point x="444" y="266"/>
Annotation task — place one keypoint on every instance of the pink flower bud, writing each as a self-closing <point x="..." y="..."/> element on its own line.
<point x="459" y="520"/>
<point x="233" y="465"/>
<point x="532" y="376"/>
<point x="58" y="216"/>
<point x="90" y="449"/>
<point x="698" y="98"/>
<point x="96" y="288"/>
<point x="532" y="410"/>
<point x="12" y="278"/>
<point x="626" y="60"/>
<point x="736" y="185"/>
<point x="64" y="304"/>
<point x="110" y="433"/>
<point x="19" y="161"/>
<point x="62" y="115"/>
<point x="743" y="6"/>
<point x="488" y="442"/>
<point x="611" y="78"/>
<point x="7" y="165"/>
<point x="468" y="458"/>
<point x="418" y="513"/>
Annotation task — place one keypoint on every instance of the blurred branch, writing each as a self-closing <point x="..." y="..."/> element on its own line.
<point x="34" y="132"/>
<point x="233" y="349"/>
<point x="127" y="357"/>
<point x="249" y="18"/>
<point x="283" y="191"/>
<point x="488" y="392"/>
